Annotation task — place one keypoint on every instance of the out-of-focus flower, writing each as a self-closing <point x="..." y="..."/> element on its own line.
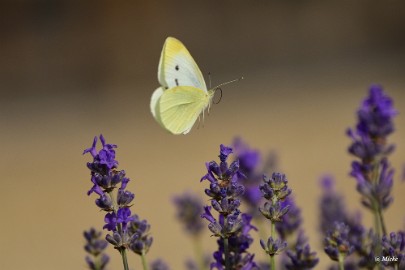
<point x="189" y="209"/>
<point x="95" y="246"/>
<point x="336" y="242"/>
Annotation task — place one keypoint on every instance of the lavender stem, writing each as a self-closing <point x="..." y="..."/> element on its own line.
<point x="341" y="261"/>
<point x="273" y="234"/>
<point x="144" y="263"/>
<point x="124" y="258"/>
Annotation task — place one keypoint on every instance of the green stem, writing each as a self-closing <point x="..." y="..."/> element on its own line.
<point x="226" y="251"/>
<point x="124" y="259"/>
<point x="341" y="261"/>
<point x="382" y="223"/>
<point x="144" y="263"/>
<point x="273" y="235"/>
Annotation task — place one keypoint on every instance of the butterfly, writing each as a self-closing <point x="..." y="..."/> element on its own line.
<point x="183" y="95"/>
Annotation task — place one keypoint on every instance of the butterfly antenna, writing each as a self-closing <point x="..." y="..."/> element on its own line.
<point x="225" y="83"/>
<point x="209" y="78"/>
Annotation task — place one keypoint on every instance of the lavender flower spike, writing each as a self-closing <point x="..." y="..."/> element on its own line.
<point x="301" y="256"/>
<point x="275" y="190"/>
<point x="337" y="244"/>
<point x="95" y="247"/>
<point x="231" y="227"/>
<point x="109" y="183"/>
<point x="372" y="171"/>
<point x="189" y="209"/>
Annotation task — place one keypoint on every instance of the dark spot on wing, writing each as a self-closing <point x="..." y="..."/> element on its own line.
<point x="177" y="82"/>
<point x="177" y="67"/>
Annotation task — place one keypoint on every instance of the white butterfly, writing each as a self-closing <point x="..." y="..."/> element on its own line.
<point x="183" y="94"/>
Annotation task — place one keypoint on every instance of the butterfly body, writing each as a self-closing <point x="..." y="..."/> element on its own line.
<point x="183" y="94"/>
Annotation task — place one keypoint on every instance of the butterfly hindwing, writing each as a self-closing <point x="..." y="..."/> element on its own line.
<point x="178" y="68"/>
<point x="179" y="108"/>
<point x="154" y="104"/>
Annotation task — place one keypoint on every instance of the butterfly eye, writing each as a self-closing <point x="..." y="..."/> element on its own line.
<point x="220" y="97"/>
<point x="177" y="67"/>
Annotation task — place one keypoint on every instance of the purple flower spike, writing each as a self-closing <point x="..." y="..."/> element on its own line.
<point x="128" y="232"/>
<point x="394" y="248"/>
<point x="337" y="243"/>
<point x="189" y="209"/>
<point x="224" y="192"/>
<point x="291" y="221"/>
<point x="376" y="113"/>
<point x="95" y="246"/>
<point x="159" y="265"/>
<point x="301" y="258"/>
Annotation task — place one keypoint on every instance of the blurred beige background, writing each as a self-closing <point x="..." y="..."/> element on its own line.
<point x="70" y="70"/>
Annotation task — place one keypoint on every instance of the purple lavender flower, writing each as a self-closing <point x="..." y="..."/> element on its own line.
<point x="394" y="250"/>
<point x="222" y="174"/>
<point x="301" y="257"/>
<point x="249" y="159"/>
<point x="275" y="190"/>
<point x="333" y="209"/>
<point x="238" y="247"/>
<point x="159" y="265"/>
<point x="189" y="210"/>
<point x="291" y="221"/>
<point x="127" y="231"/>
<point x="250" y="164"/>
<point x="376" y="113"/>
<point x="273" y="246"/>
<point x="230" y="227"/>
<point x="110" y="220"/>
<point x="336" y="242"/>
<point x="95" y="247"/>
<point x="378" y="193"/>
<point x="140" y="241"/>
<point x="367" y="250"/>
<point x="372" y="172"/>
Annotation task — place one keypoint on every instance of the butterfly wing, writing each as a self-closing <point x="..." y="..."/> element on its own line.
<point x="154" y="104"/>
<point x="177" y="67"/>
<point x="179" y="108"/>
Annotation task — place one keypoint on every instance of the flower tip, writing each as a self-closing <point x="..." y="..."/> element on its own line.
<point x="102" y="139"/>
<point x="327" y="182"/>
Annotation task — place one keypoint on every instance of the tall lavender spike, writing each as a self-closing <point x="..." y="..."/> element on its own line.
<point x="109" y="183"/>
<point x="336" y="243"/>
<point x="231" y="227"/>
<point x="369" y="143"/>
<point x="95" y="246"/>
<point x="275" y="190"/>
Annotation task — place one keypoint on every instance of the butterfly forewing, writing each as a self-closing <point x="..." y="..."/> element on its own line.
<point x="178" y="68"/>
<point x="179" y="108"/>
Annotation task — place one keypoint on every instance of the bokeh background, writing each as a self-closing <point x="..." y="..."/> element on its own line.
<point x="70" y="70"/>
